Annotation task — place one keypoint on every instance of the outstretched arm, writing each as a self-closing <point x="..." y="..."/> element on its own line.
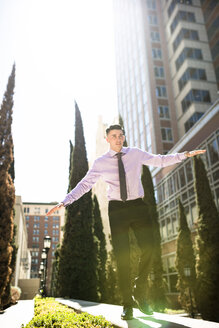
<point x="82" y="187"/>
<point x="55" y="208"/>
<point x="195" y="152"/>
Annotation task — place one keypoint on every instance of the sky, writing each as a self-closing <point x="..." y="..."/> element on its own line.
<point x="63" y="51"/>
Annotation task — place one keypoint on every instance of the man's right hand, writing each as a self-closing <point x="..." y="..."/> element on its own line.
<point x="55" y="208"/>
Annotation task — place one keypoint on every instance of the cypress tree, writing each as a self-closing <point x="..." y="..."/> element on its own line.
<point x="113" y="292"/>
<point x="70" y="164"/>
<point x="207" y="264"/>
<point x="185" y="259"/>
<point x="6" y="298"/>
<point x="156" y="284"/>
<point x="102" y="253"/>
<point x="7" y="191"/>
<point x="78" y="254"/>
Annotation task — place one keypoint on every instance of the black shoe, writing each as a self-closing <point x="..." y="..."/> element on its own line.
<point x="141" y="302"/>
<point x="127" y="313"/>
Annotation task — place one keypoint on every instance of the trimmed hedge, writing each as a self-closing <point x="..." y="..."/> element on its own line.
<point x="49" y="313"/>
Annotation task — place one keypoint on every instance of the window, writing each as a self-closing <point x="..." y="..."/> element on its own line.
<point x="189" y="172"/>
<point x="175" y="2"/>
<point x="155" y="36"/>
<point x="27" y="218"/>
<point x="36" y="218"/>
<point x="26" y="210"/>
<point x="151" y="4"/>
<point x="55" y="225"/>
<point x="55" y="239"/>
<point x="36" y="225"/>
<point x="209" y="9"/>
<point x="161" y="92"/>
<point x="213" y="28"/>
<point x="36" y="210"/>
<point x="55" y="218"/>
<point x="35" y="246"/>
<point x="195" y="96"/>
<point x="35" y="254"/>
<point x="192" y="120"/>
<point x="164" y="112"/>
<point x="182" y="16"/>
<point x="159" y="71"/>
<point x="163" y="230"/>
<point x="166" y="134"/>
<point x="156" y="53"/>
<point x="191" y="74"/>
<point x="34" y="261"/>
<point x="213" y="151"/>
<point x="45" y="232"/>
<point x="46" y="225"/>
<point x="175" y="224"/>
<point x="55" y="232"/>
<point x="215" y="50"/>
<point x="171" y="263"/>
<point x="35" y="239"/>
<point x="182" y="177"/>
<point x="185" y="34"/>
<point x="152" y="19"/>
<point x="191" y="53"/>
<point x="36" y="232"/>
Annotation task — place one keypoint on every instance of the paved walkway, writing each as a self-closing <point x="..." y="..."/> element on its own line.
<point x="18" y="314"/>
<point x="112" y="313"/>
<point x="22" y="313"/>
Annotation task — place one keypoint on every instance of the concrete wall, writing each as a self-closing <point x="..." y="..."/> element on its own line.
<point x="29" y="288"/>
<point x="23" y="259"/>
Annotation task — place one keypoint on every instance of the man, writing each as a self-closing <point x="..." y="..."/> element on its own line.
<point x="121" y="168"/>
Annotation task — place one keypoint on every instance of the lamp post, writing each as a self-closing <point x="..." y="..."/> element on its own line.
<point x="41" y="276"/>
<point x="187" y="274"/>
<point x="44" y="256"/>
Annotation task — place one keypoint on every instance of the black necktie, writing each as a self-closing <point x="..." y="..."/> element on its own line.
<point x="123" y="188"/>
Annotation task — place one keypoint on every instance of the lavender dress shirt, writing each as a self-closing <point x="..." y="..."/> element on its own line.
<point x="106" y="167"/>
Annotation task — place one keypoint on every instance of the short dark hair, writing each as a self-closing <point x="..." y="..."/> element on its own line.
<point x="115" y="127"/>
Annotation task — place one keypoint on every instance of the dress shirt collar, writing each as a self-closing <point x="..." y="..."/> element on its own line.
<point x="113" y="152"/>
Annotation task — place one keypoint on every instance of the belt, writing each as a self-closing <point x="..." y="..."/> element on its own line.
<point x="131" y="201"/>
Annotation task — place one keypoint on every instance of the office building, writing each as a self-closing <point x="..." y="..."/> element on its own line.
<point x="165" y="75"/>
<point x="167" y="84"/>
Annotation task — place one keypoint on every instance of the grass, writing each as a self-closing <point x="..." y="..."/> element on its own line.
<point x="171" y="311"/>
<point x="49" y="313"/>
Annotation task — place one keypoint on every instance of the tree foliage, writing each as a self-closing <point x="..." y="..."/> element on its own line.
<point x="102" y="253"/>
<point x="78" y="254"/>
<point x="7" y="191"/>
<point x="185" y="260"/>
<point x="156" y="283"/>
<point x="113" y="292"/>
<point x="207" y="264"/>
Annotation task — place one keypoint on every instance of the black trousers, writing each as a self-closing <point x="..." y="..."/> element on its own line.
<point x="123" y="216"/>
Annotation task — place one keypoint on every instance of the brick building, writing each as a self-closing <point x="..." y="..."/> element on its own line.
<point x="38" y="226"/>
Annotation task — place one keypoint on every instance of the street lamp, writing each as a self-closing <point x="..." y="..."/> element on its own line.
<point x="187" y="274"/>
<point x="47" y="243"/>
<point x="44" y="256"/>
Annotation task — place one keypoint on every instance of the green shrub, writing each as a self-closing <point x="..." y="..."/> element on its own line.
<point x="49" y="313"/>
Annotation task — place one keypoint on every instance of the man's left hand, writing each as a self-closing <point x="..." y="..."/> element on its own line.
<point x="195" y="152"/>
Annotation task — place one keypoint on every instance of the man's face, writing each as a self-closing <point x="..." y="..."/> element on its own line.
<point x="116" y="139"/>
